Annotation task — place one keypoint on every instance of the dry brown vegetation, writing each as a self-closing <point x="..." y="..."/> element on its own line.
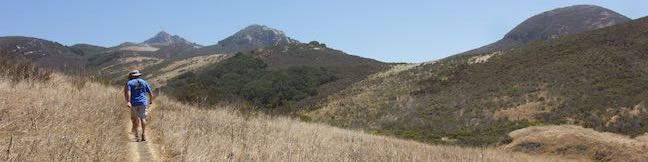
<point x="16" y="68"/>
<point x="139" y="48"/>
<point x="57" y="121"/>
<point x="578" y="142"/>
<point x="178" y="67"/>
<point x="188" y="133"/>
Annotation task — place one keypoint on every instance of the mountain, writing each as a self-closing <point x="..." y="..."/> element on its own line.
<point x="173" y="46"/>
<point x="43" y="52"/>
<point x="160" y="55"/>
<point x="553" y="24"/>
<point x="165" y="39"/>
<point x="252" y="37"/>
<point x="595" y="79"/>
<point x="281" y="78"/>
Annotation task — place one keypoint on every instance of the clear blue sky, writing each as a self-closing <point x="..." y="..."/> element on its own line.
<point x="394" y="31"/>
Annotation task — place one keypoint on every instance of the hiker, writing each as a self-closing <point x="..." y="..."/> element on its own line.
<point x="135" y="93"/>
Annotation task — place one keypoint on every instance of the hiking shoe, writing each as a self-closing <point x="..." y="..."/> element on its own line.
<point x="136" y="138"/>
<point x="143" y="139"/>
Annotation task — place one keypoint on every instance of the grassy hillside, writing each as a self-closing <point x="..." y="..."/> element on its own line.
<point x="283" y="78"/>
<point x="67" y="119"/>
<point x="189" y="133"/>
<point x="55" y="120"/>
<point x="595" y="79"/>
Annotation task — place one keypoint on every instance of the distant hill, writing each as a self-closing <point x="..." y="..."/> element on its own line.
<point x="594" y="79"/>
<point x="161" y="55"/>
<point x="553" y="24"/>
<point x="160" y="40"/>
<point x="43" y="52"/>
<point x="252" y="37"/>
<point x="163" y="48"/>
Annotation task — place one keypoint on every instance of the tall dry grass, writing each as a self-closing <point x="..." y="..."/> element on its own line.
<point x="55" y="120"/>
<point x="188" y="133"/>
<point x="58" y="120"/>
<point x="16" y="68"/>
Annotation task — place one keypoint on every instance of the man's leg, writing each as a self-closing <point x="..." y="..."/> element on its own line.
<point x="143" y="121"/>
<point x="135" y="121"/>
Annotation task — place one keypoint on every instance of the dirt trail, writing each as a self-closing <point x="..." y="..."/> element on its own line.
<point x="141" y="151"/>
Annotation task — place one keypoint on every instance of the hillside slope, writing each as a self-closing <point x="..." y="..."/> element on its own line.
<point x="189" y="133"/>
<point x="58" y="127"/>
<point x="291" y="77"/>
<point x="553" y="24"/>
<point x="594" y="79"/>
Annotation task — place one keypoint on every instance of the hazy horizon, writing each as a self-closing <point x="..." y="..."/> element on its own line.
<point x="412" y="31"/>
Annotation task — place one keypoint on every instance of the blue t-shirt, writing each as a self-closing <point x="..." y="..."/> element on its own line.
<point x="139" y="89"/>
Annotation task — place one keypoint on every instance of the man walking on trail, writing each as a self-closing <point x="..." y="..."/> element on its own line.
<point x="135" y="93"/>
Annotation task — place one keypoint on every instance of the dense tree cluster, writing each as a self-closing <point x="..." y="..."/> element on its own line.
<point x="245" y="77"/>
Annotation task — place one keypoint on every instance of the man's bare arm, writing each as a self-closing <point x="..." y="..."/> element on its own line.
<point x="127" y="96"/>
<point x="151" y="97"/>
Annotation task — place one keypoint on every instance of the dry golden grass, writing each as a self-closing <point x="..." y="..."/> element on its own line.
<point x="181" y="66"/>
<point x="139" y="48"/>
<point x="133" y="61"/>
<point x="395" y="69"/>
<point x="483" y="58"/>
<point x="187" y="133"/>
<point x="579" y="142"/>
<point x="56" y="121"/>
<point x="362" y="105"/>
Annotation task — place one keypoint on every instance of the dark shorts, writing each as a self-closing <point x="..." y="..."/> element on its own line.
<point x="139" y="111"/>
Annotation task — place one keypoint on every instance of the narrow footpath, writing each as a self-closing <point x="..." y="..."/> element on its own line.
<point x="141" y="151"/>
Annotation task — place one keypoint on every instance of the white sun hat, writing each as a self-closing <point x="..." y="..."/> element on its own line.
<point x="134" y="73"/>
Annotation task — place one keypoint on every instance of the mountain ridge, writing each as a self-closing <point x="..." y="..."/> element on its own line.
<point x="553" y="24"/>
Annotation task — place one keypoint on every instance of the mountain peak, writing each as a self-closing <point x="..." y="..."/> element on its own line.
<point x="163" y="38"/>
<point x="263" y="34"/>
<point x="259" y="34"/>
<point x="163" y="34"/>
<point x="251" y="37"/>
<point x="260" y="27"/>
